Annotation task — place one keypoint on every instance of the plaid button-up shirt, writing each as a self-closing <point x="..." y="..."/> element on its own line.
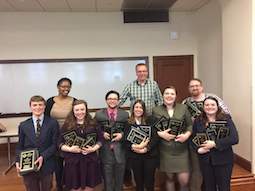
<point x="149" y="93"/>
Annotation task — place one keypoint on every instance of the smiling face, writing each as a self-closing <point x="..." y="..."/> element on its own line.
<point x="169" y="96"/>
<point x="64" y="88"/>
<point x="195" y="88"/>
<point x="37" y="108"/>
<point x="142" y="73"/>
<point x="138" y="110"/>
<point x="210" y="107"/>
<point x="79" y="112"/>
<point x="112" y="100"/>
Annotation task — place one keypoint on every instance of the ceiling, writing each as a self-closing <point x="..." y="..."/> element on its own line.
<point x="97" y="5"/>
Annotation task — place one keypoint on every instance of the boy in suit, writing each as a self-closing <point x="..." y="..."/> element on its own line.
<point x="112" y="153"/>
<point x="38" y="132"/>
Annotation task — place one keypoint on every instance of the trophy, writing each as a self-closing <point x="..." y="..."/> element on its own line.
<point x="211" y="134"/>
<point x="136" y="136"/>
<point x="223" y="132"/>
<point x="79" y="141"/>
<point x="146" y="129"/>
<point x="175" y="126"/>
<point x="112" y="127"/>
<point x="27" y="161"/>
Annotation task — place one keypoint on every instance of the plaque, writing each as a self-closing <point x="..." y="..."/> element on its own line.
<point x="27" y="161"/>
<point x="199" y="139"/>
<point x="193" y="109"/>
<point x="211" y="134"/>
<point x="112" y="127"/>
<point x="69" y="137"/>
<point x="161" y="124"/>
<point x="79" y="141"/>
<point x="91" y="139"/>
<point x="223" y="132"/>
<point x="175" y="126"/>
<point x="217" y="125"/>
<point x="135" y="135"/>
<point x="146" y="129"/>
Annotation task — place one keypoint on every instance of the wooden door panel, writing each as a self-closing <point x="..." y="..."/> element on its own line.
<point x="174" y="70"/>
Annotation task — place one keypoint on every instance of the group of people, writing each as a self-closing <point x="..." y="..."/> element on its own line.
<point x="110" y="158"/>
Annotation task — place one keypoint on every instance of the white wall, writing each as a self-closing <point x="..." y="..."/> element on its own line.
<point x="86" y="35"/>
<point x="236" y="31"/>
<point x="208" y="30"/>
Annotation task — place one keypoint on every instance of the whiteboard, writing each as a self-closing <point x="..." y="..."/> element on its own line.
<point x="91" y="80"/>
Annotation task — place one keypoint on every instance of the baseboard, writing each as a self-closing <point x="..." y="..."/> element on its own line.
<point x="244" y="163"/>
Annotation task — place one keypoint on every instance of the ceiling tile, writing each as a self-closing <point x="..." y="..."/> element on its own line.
<point x="26" y="5"/>
<point x="109" y="5"/>
<point x="82" y="5"/>
<point x="54" y="5"/>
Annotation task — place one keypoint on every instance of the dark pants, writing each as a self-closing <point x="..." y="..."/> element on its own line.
<point x="35" y="181"/>
<point x="144" y="172"/>
<point x="59" y="171"/>
<point x="113" y="174"/>
<point x="216" y="177"/>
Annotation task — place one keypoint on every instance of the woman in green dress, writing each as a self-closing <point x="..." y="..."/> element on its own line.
<point x="174" y="157"/>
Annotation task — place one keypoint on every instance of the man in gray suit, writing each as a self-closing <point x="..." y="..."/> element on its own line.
<point x="112" y="153"/>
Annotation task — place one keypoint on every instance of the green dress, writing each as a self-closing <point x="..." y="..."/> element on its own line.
<point x="174" y="156"/>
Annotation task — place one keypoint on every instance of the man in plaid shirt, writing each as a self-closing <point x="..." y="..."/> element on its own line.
<point x="142" y="88"/>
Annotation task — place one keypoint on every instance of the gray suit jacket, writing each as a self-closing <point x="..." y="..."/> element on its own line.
<point x="119" y="148"/>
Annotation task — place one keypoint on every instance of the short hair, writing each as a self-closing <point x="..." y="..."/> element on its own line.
<point x="170" y="87"/>
<point x="140" y="64"/>
<point x="112" y="92"/>
<point x="37" y="98"/>
<point x="60" y="81"/>
<point x="196" y="79"/>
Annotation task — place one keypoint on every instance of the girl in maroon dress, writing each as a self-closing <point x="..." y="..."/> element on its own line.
<point x="81" y="163"/>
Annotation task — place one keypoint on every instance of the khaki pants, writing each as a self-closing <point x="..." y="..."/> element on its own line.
<point x="196" y="180"/>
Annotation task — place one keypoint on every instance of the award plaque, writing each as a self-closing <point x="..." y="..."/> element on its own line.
<point x="136" y="136"/>
<point x="79" y="141"/>
<point x="211" y="134"/>
<point x="69" y="137"/>
<point x="217" y="125"/>
<point x="201" y="138"/>
<point x="175" y="126"/>
<point x="161" y="124"/>
<point x="91" y="139"/>
<point x="195" y="141"/>
<point x="223" y="132"/>
<point x="27" y="161"/>
<point x="193" y="109"/>
<point x="112" y="127"/>
<point x="146" y="129"/>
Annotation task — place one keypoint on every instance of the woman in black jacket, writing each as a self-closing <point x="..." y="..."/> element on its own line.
<point x="143" y="157"/>
<point x="215" y="154"/>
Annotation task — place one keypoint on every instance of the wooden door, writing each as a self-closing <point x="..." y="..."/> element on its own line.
<point x="174" y="71"/>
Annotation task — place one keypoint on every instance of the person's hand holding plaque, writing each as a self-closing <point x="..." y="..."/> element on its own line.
<point x="142" y="145"/>
<point x="106" y="136"/>
<point x="183" y="137"/>
<point x="74" y="149"/>
<point x="17" y="167"/>
<point x="203" y="150"/>
<point x="117" y="137"/>
<point x="140" y="151"/>
<point x="209" y="144"/>
<point x="90" y="149"/>
<point x="39" y="162"/>
<point x="166" y="135"/>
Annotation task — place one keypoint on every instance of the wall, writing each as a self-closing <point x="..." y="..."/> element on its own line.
<point x="237" y="60"/>
<point x="208" y="30"/>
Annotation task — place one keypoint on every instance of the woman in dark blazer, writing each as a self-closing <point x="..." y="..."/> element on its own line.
<point x="215" y="156"/>
<point x="143" y="157"/>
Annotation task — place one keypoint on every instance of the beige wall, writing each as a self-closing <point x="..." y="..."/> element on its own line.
<point x="236" y="31"/>
<point x="87" y="35"/>
<point x="208" y="30"/>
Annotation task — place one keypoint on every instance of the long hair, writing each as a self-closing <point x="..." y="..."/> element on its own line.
<point x="70" y="122"/>
<point x="144" y="116"/>
<point x="220" y="115"/>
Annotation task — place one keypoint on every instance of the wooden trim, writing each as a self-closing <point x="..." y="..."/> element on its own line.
<point x="242" y="162"/>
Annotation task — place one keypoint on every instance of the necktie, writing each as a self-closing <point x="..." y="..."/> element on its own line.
<point x="112" y="116"/>
<point x="38" y="127"/>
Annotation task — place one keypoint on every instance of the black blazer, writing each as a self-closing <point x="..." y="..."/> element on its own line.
<point x="153" y="151"/>
<point x="223" y="153"/>
<point x="47" y="143"/>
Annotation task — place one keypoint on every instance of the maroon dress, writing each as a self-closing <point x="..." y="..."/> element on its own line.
<point x="81" y="170"/>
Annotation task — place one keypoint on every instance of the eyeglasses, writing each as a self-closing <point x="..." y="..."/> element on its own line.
<point x="112" y="99"/>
